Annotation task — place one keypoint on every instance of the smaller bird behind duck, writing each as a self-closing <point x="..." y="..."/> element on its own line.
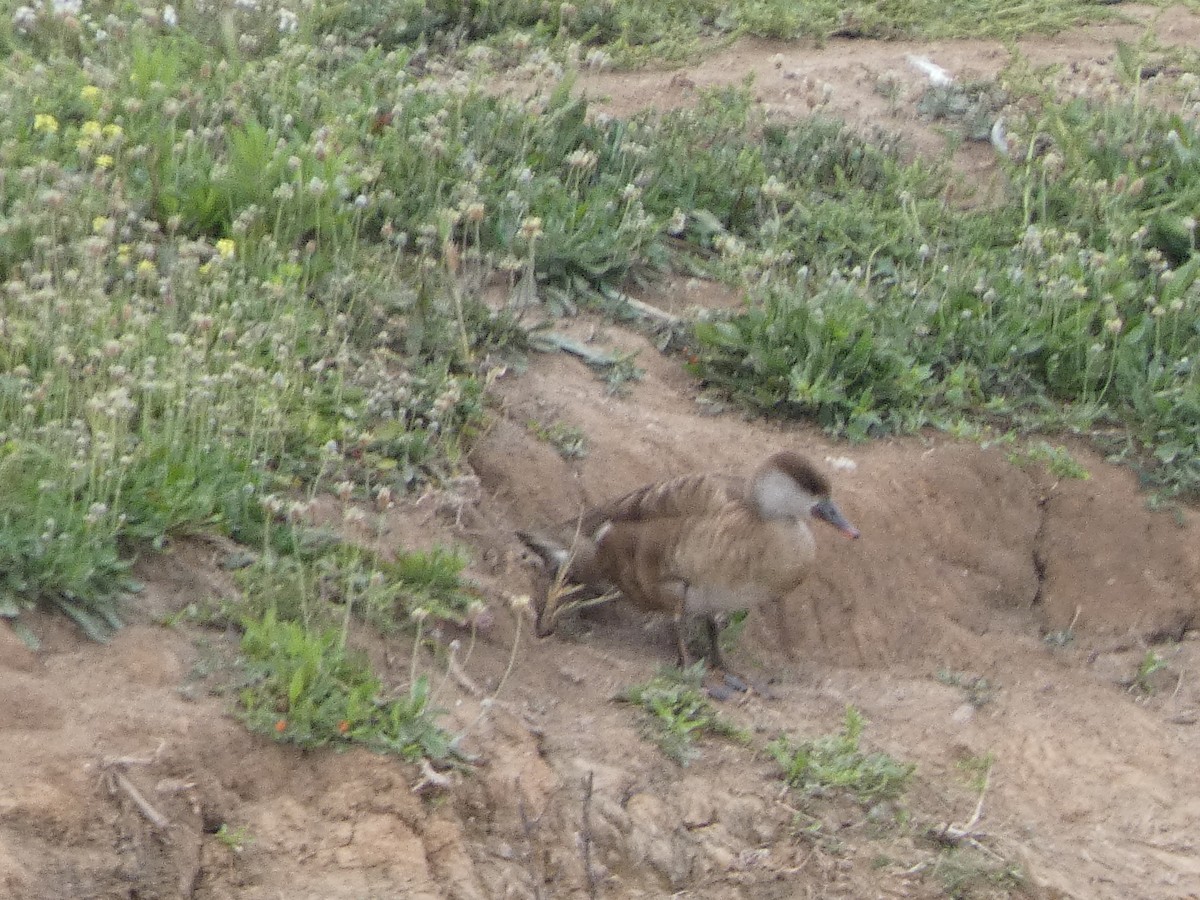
<point x="697" y="545"/>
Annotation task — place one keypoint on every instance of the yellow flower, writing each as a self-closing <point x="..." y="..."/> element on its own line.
<point x="112" y="132"/>
<point x="91" y="130"/>
<point x="45" y="122"/>
<point x="226" y="248"/>
<point x="100" y="224"/>
<point x="83" y="145"/>
<point x="90" y="93"/>
<point x="146" y="269"/>
<point x="104" y="161"/>
<point x="123" y="251"/>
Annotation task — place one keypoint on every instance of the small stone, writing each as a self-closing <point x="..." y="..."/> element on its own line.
<point x="882" y="813"/>
<point x="964" y="714"/>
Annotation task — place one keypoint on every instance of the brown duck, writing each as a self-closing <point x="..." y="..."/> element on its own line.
<point x="699" y="544"/>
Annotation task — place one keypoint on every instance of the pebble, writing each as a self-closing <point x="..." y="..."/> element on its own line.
<point x="964" y="714"/>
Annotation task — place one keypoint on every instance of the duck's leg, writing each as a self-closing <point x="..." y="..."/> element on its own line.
<point x="672" y="595"/>
<point x="729" y="678"/>
<point x="677" y="623"/>
<point x="714" y="642"/>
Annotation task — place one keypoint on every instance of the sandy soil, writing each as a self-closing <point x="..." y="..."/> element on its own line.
<point x="967" y="563"/>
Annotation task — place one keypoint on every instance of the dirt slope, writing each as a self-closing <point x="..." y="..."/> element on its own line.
<point x="967" y="562"/>
<point x="1092" y="788"/>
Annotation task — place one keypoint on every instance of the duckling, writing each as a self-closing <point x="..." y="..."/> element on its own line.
<point x="700" y="544"/>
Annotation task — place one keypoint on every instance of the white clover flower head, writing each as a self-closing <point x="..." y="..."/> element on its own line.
<point x="520" y="602"/>
<point x="773" y="188"/>
<point x="24" y="18"/>
<point x="582" y="159"/>
<point x="289" y="22"/>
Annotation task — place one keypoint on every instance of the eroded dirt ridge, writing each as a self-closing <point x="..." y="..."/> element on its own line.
<point x="1090" y="780"/>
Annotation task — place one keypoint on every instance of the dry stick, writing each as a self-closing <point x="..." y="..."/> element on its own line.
<point x="124" y="762"/>
<point x="586" y="835"/>
<point x="454" y="667"/>
<point x="157" y="819"/>
<point x="431" y="778"/>
<point x="528" y="827"/>
<point x="558" y="589"/>
<point x="558" y="596"/>
<point x="487" y="702"/>
<point x="954" y="835"/>
<point x="650" y="312"/>
<point x="1178" y="684"/>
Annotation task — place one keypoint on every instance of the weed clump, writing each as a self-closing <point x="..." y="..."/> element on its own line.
<point x="677" y="712"/>
<point x="304" y="687"/>
<point x="1073" y="305"/>
<point x="834" y="762"/>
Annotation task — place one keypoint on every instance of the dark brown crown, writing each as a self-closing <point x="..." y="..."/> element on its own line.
<point x="801" y="471"/>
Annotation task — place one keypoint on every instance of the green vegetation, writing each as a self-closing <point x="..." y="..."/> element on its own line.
<point x="305" y="688"/>
<point x="1143" y="680"/>
<point x="1074" y="305"/>
<point x="967" y="873"/>
<point x="671" y="29"/>
<point x="568" y="440"/>
<point x="834" y="762"/>
<point x="677" y="712"/>
<point x="243" y="253"/>
<point x="1057" y="460"/>
<point x="978" y="689"/>
<point x="322" y="589"/>
<point x="236" y="839"/>
<point x="977" y="770"/>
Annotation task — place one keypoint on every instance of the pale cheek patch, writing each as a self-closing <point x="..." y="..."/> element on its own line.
<point x="778" y="497"/>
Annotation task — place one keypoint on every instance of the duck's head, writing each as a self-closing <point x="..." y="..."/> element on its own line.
<point x="788" y="486"/>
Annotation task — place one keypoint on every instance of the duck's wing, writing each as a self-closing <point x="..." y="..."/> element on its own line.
<point x="682" y="497"/>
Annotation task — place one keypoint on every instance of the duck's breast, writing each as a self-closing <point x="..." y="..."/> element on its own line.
<point x="737" y="561"/>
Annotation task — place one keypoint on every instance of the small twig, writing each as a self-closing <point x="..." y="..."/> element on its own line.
<point x="157" y="819"/>
<point x="461" y="677"/>
<point x="124" y="762"/>
<point x="953" y="835"/>
<point x="1178" y="685"/>
<point x="558" y="596"/>
<point x="529" y="828"/>
<point x="586" y="835"/>
<point x="975" y="816"/>
<point x="797" y="869"/>
<point x="431" y="779"/>
<point x="648" y="311"/>
<point x="561" y="342"/>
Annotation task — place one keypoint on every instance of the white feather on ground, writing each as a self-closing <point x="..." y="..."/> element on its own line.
<point x="938" y="76"/>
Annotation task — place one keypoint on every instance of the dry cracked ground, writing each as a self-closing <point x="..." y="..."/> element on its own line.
<point x="968" y="563"/>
